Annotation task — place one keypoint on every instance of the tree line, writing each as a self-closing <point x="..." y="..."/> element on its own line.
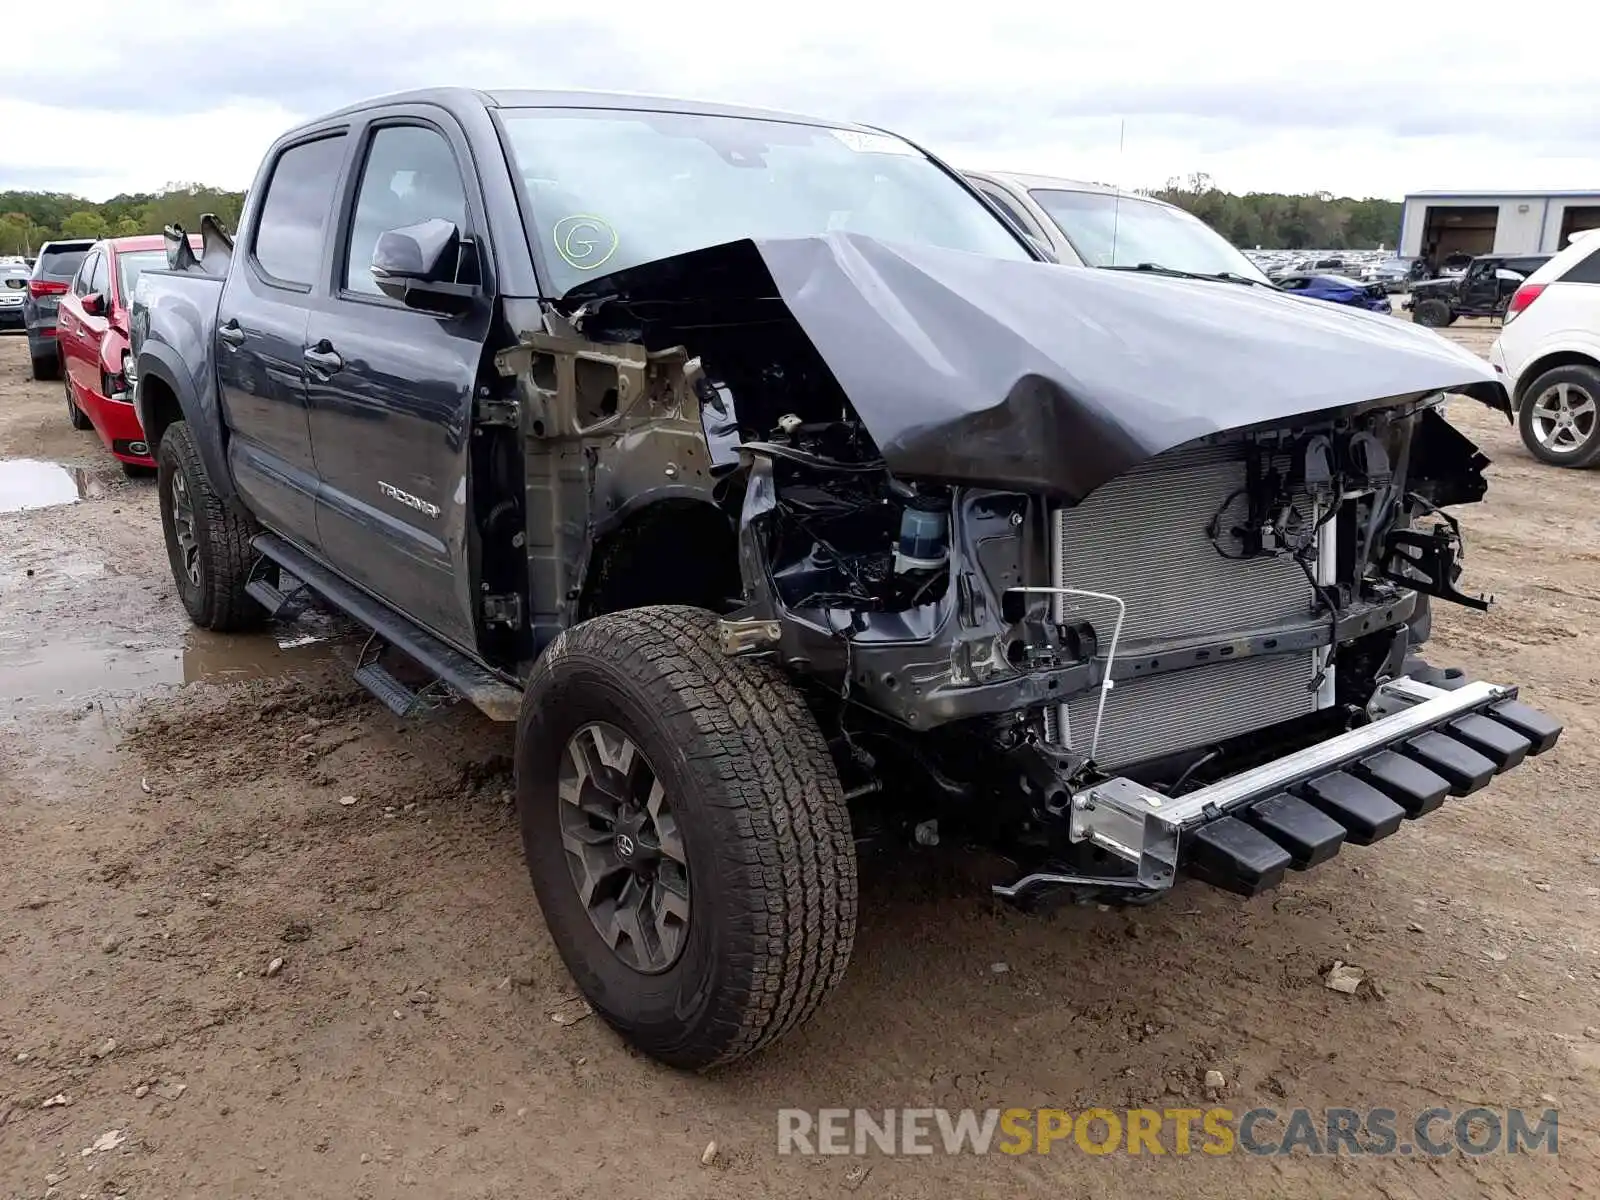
<point x="1272" y="220"/>
<point x="29" y="218"/>
<point x="1275" y="221"/>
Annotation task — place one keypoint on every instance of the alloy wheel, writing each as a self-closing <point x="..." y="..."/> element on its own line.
<point x="183" y="527"/>
<point x="1563" y="417"/>
<point x="623" y="848"/>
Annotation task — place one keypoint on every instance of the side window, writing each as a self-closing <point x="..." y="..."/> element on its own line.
<point x="410" y="176"/>
<point x="80" y="282"/>
<point x="294" y="212"/>
<point x="99" y="276"/>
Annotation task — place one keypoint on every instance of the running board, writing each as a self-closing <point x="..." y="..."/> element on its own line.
<point x="496" y="699"/>
<point x="281" y="604"/>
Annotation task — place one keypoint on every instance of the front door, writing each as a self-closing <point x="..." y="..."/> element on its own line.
<point x="391" y="389"/>
<point x="261" y="338"/>
<point x="78" y="333"/>
<point x="1478" y="286"/>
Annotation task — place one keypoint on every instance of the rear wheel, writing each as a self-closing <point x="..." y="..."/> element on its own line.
<point x="1560" y="416"/>
<point x="686" y="835"/>
<point x="79" y="418"/>
<point x="45" y="366"/>
<point x="1433" y="313"/>
<point x="208" y="542"/>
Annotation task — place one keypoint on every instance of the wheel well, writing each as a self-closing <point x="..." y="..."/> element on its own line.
<point x="1561" y="358"/>
<point x="159" y="410"/>
<point x="673" y="552"/>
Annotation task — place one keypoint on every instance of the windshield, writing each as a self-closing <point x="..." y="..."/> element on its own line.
<point x="612" y="189"/>
<point x="1111" y="231"/>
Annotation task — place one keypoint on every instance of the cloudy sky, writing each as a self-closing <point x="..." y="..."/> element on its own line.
<point x="1356" y="98"/>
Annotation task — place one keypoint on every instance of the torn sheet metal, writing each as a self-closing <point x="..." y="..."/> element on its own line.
<point x="1035" y="376"/>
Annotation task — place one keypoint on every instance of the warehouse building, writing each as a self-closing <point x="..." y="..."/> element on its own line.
<point x="1438" y="224"/>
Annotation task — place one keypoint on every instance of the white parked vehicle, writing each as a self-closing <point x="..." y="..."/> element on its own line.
<point x="1092" y="225"/>
<point x="1549" y="355"/>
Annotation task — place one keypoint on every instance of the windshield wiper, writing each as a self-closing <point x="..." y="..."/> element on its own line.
<point x="1177" y="273"/>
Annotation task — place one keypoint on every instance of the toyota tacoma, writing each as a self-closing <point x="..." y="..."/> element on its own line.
<point x="777" y="489"/>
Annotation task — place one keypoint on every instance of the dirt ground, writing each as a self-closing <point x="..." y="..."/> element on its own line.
<point x="171" y="824"/>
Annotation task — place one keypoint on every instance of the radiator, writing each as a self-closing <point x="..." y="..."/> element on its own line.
<point x="1143" y="537"/>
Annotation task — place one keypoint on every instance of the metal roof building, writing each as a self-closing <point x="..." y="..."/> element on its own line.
<point x="1443" y="223"/>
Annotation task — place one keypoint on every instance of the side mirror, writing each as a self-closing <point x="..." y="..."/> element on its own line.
<point x="418" y="266"/>
<point x="94" y="304"/>
<point x="1505" y="276"/>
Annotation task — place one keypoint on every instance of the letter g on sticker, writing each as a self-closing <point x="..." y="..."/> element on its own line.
<point x="583" y="241"/>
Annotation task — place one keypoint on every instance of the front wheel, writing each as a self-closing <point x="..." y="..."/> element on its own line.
<point x="1560" y="416"/>
<point x="208" y="543"/>
<point x="1435" y="314"/>
<point x="686" y="835"/>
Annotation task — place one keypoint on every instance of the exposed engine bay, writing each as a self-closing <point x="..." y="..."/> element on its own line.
<point x="984" y="655"/>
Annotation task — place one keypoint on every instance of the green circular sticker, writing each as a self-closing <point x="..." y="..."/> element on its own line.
<point x="584" y="242"/>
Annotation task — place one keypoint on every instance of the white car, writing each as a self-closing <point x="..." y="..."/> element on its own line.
<point x="1092" y="225"/>
<point x="1548" y="353"/>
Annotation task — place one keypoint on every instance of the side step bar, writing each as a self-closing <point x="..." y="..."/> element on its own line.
<point x="496" y="699"/>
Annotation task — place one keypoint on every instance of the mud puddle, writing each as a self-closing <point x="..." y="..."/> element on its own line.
<point x="108" y="663"/>
<point x="27" y="483"/>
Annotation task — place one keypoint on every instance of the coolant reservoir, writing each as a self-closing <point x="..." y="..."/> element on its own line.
<point x="924" y="540"/>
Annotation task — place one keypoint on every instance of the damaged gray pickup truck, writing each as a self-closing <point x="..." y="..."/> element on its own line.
<point x="779" y="490"/>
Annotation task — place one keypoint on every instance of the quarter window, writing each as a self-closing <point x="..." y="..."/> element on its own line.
<point x="294" y="212"/>
<point x="1016" y="214"/>
<point x="1586" y="269"/>
<point x="410" y="177"/>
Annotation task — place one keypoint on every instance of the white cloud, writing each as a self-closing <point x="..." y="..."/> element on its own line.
<point x="1259" y="96"/>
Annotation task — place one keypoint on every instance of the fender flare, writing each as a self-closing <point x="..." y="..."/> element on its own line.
<point x="159" y="361"/>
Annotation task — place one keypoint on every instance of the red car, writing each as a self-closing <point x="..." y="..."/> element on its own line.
<point x="92" y="334"/>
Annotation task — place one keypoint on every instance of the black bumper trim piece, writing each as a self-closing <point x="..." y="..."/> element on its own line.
<point x="1309" y="835"/>
<point x="1466" y="769"/>
<point x="1365" y="812"/>
<point x="1539" y="728"/>
<point x="1405" y="781"/>
<point x="1500" y="744"/>
<point x="1237" y="858"/>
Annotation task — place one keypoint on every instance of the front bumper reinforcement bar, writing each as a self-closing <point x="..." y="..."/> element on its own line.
<point x="1244" y="832"/>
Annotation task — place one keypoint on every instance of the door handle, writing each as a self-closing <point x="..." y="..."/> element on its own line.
<point x="231" y="334"/>
<point x="323" y="357"/>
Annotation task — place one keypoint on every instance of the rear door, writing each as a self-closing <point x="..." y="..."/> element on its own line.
<point x="261" y="335"/>
<point x="391" y="388"/>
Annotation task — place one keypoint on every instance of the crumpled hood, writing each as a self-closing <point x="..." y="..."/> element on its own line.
<point x="1040" y="377"/>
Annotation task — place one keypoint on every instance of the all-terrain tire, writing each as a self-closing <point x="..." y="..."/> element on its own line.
<point x="1582" y="387"/>
<point x="79" y="418"/>
<point x="45" y="366"/>
<point x="221" y="535"/>
<point x="1435" y="314"/>
<point x="758" y="804"/>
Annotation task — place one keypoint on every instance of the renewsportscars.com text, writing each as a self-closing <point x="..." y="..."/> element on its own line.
<point x="1179" y="1131"/>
